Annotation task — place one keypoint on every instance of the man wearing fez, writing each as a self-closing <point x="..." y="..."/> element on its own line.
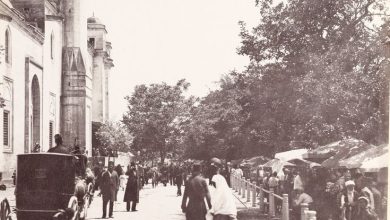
<point x="195" y="191"/>
<point x="108" y="186"/>
<point x="132" y="188"/>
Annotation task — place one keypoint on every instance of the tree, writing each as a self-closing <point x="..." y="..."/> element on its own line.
<point x="156" y="115"/>
<point x="113" y="136"/>
<point x="317" y="74"/>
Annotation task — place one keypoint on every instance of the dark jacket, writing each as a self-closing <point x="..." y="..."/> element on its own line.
<point x="365" y="214"/>
<point x="59" y="149"/>
<point x="132" y="187"/>
<point x="109" y="184"/>
<point x="195" y="191"/>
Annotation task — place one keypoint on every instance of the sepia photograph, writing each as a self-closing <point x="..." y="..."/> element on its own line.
<point x="194" y="109"/>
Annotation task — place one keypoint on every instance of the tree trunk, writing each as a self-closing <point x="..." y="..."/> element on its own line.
<point x="162" y="157"/>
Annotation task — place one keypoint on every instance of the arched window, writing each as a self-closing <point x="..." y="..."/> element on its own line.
<point x="7" y="46"/>
<point x="52" y="45"/>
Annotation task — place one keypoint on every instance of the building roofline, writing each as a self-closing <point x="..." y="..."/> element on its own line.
<point x="18" y="18"/>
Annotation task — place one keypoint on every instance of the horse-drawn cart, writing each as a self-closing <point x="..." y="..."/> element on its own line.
<point x="50" y="186"/>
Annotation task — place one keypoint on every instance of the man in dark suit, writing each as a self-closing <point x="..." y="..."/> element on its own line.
<point x="108" y="186"/>
<point x="195" y="191"/>
<point x="132" y="188"/>
<point x="59" y="148"/>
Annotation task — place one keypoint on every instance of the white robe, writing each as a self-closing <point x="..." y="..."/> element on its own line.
<point x="222" y="199"/>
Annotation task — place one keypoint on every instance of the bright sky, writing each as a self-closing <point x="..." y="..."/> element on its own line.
<point x="167" y="40"/>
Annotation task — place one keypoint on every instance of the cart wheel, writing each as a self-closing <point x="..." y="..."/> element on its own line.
<point x="73" y="204"/>
<point x="5" y="210"/>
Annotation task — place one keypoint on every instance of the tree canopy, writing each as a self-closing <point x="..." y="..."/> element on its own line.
<point x="156" y="115"/>
<point x="113" y="136"/>
<point x="317" y="74"/>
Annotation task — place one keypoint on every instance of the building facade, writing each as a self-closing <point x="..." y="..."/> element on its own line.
<point x="54" y="72"/>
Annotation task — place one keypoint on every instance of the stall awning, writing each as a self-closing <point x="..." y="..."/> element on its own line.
<point x="357" y="160"/>
<point x="377" y="163"/>
<point x="344" y="152"/>
<point x="277" y="165"/>
<point x="291" y="154"/>
<point x="322" y="153"/>
<point x="255" y="161"/>
<point x="304" y="163"/>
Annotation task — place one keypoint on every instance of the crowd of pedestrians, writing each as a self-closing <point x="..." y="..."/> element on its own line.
<point x="335" y="194"/>
<point x="220" y="200"/>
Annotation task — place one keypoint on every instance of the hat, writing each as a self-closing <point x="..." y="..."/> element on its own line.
<point x="216" y="162"/>
<point x="364" y="198"/>
<point x="350" y="183"/>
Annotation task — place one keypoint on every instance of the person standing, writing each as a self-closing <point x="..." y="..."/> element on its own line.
<point x="178" y="179"/>
<point x="223" y="205"/>
<point x="132" y="188"/>
<point x="348" y="201"/>
<point x="59" y="148"/>
<point x="300" y="198"/>
<point x="195" y="192"/>
<point x="108" y="187"/>
<point x="363" y="211"/>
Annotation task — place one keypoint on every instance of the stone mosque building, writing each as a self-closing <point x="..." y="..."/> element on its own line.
<point x="54" y="70"/>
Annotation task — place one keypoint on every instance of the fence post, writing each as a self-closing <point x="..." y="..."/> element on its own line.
<point x="243" y="187"/>
<point x="285" y="209"/>
<point x="261" y="198"/>
<point x="271" y="203"/>
<point x="254" y="194"/>
<point x="235" y="183"/>
<point x="304" y="208"/>
<point x="239" y="185"/>
<point x="248" y="191"/>
<point x="231" y="181"/>
<point x="311" y="215"/>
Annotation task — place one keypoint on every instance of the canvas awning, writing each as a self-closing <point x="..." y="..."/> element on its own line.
<point x="277" y="165"/>
<point x="345" y="151"/>
<point x="375" y="164"/>
<point x="357" y="160"/>
<point x="291" y="154"/>
<point x="304" y="163"/>
<point x="322" y="153"/>
<point x="255" y="161"/>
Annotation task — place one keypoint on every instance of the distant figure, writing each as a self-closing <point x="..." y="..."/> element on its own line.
<point x="59" y="148"/>
<point x="132" y="188"/>
<point x="239" y="173"/>
<point x="300" y="198"/>
<point x="37" y="148"/>
<point x="363" y="211"/>
<point x="178" y="179"/>
<point x="349" y="199"/>
<point x="196" y="190"/>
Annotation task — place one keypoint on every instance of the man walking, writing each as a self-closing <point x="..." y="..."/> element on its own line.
<point x="108" y="187"/>
<point x="132" y="188"/>
<point x="178" y="179"/>
<point x="195" y="191"/>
